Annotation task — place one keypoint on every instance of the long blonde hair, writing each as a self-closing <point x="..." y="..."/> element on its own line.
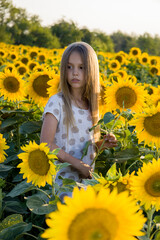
<point x="91" y="90"/>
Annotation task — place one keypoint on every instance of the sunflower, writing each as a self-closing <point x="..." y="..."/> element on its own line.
<point x="123" y="74"/>
<point x="3" y="146"/>
<point x="37" y="86"/>
<point x="144" y="58"/>
<point x="135" y="52"/>
<point x="32" y="64"/>
<point x="11" y="85"/>
<point x="121" y="184"/>
<point x="154" y="70"/>
<point x="22" y="69"/>
<point x="154" y="60"/>
<point x="145" y="186"/>
<point x="121" y="59"/>
<point x="37" y="166"/>
<point x="114" y="77"/>
<point x="54" y="85"/>
<point x="88" y="216"/>
<point x="148" y="126"/>
<point x="124" y="95"/>
<point x="114" y="65"/>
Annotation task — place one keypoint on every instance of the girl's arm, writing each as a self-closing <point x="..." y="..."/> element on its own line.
<point x="47" y="135"/>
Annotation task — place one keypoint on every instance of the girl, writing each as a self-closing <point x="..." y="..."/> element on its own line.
<point x="70" y="114"/>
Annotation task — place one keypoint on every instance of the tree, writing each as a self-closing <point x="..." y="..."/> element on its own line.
<point x="67" y="32"/>
<point x="123" y="42"/>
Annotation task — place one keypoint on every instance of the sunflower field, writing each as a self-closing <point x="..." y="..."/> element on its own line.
<point x="122" y="200"/>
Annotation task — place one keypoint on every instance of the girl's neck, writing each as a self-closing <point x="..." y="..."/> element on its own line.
<point x="79" y="102"/>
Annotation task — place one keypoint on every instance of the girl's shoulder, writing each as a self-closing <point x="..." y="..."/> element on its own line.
<point x="58" y="97"/>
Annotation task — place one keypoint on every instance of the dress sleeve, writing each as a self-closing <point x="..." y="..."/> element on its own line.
<point x="53" y="106"/>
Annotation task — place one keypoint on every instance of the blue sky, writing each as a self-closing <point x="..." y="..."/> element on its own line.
<point x="128" y="16"/>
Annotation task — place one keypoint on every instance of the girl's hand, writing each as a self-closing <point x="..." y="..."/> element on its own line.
<point x="85" y="170"/>
<point x="110" y="141"/>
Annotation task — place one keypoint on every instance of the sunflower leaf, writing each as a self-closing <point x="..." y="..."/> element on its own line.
<point x="108" y="117"/>
<point x="13" y="231"/>
<point x="20" y="188"/>
<point x="38" y="206"/>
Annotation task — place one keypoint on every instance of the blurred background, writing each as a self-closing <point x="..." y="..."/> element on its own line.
<point x="106" y="25"/>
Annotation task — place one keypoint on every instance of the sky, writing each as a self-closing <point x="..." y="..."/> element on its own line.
<point x="128" y="16"/>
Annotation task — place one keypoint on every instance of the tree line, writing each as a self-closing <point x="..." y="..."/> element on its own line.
<point x="19" y="27"/>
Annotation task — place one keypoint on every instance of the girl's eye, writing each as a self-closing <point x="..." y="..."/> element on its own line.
<point x="81" y="67"/>
<point x="69" y="67"/>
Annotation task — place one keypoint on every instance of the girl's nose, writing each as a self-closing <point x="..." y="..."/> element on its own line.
<point x="75" y="72"/>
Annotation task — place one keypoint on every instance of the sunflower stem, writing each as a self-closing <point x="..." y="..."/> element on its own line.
<point x="38" y="227"/>
<point x="53" y="182"/>
<point x="149" y="221"/>
<point x="18" y="137"/>
<point x="30" y="235"/>
<point x="157" y="153"/>
<point x="39" y="189"/>
<point x="1" y="202"/>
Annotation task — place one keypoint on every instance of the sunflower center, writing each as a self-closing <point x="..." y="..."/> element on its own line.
<point x="39" y="162"/>
<point x="11" y="84"/>
<point x="126" y="96"/>
<point x="135" y="52"/>
<point x="22" y="70"/>
<point x="40" y="85"/>
<point x="93" y="224"/>
<point x="154" y="70"/>
<point x="152" y="185"/>
<point x="114" y="65"/>
<point x="152" y="124"/>
<point x="144" y="59"/>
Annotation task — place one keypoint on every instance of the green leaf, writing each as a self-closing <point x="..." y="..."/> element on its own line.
<point x="11" y="232"/>
<point x="143" y="238"/>
<point x="5" y="168"/>
<point x="11" y="220"/>
<point x="129" y="153"/>
<point x="55" y="151"/>
<point x="108" y="117"/>
<point x="157" y="219"/>
<point x="112" y="173"/>
<point x="15" y="207"/>
<point x="62" y="165"/>
<point x="38" y="206"/>
<point x="68" y="181"/>
<point x="9" y="122"/>
<point x="20" y="188"/>
<point x="30" y="127"/>
<point x="85" y="149"/>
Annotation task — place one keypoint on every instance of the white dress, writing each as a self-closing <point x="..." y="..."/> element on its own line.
<point x="77" y="137"/>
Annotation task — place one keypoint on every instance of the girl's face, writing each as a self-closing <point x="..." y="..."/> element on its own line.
<point x="75" y="71"/>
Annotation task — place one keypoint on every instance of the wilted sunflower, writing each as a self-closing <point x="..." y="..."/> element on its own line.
<point x="88" y="216"/>
<point x="114" y="65"/>
<point x="148" y="126"/>
<point x="37" y="166"/>
<point x="135" y="52"/>
<point x="11" y="85"/>
<point x="37" y="86"/>
<point x="3" y="146"/>
<point x="124" y="95"/>
<point x="145" y="187"/>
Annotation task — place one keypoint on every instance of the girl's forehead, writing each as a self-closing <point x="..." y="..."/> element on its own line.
<point x="75" y="56"/>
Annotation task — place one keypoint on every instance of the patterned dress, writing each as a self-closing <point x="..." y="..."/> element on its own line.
<point x="77" y="137"/>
